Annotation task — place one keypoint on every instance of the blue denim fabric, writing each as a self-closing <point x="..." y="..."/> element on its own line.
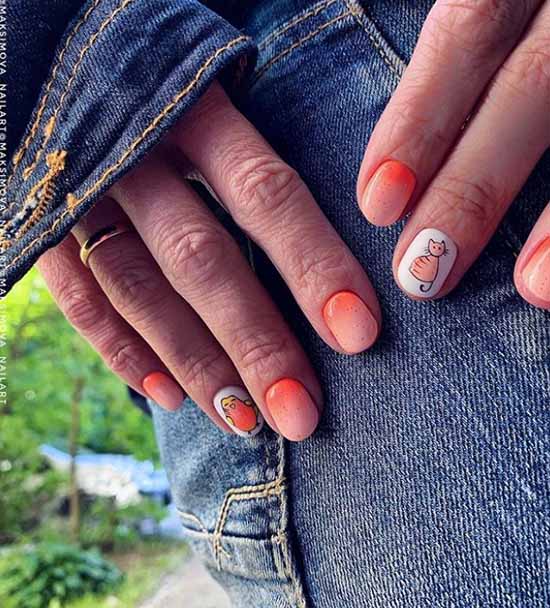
<point x="427" y="484"/>
<point x="123" y="72"/>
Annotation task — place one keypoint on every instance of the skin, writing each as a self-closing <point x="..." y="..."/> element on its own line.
<point x="467" y="178"/>
<point x="176" y="295"/>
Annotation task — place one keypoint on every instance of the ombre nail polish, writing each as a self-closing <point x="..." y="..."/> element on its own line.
<point x="536" y="274"/>
<point x="292" y="408"/>
<point x="388" y="193"/>
<point x="350" y="321"/>
<point x="163" y="390"/>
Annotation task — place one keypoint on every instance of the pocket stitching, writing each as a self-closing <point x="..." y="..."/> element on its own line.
<point x="297" y="44"/>
<point x="277" y="33"/>
<point x="397" y="65"/>
<point x="73" y="202"/>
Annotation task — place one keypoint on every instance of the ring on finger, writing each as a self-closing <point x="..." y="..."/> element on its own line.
<point x="101" y="236"/>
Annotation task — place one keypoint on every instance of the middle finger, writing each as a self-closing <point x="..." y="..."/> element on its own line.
<point x="204" y="265"/>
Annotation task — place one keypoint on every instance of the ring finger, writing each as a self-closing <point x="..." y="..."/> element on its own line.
<point x="205" y="267"/>
<point x="137" y="289"/>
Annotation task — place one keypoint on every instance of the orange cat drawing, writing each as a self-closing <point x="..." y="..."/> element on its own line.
<point x="239" y="413"/>
<point x="426" y="267"/>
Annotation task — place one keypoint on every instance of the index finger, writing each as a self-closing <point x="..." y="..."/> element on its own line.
<point x="459" y="49"/>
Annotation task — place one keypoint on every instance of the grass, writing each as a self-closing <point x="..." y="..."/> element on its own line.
<point x="144" y="567"/>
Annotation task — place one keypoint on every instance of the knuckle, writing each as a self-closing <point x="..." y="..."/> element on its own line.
<point x="81" y="308"/>
<point x="264" y="185"/>
<point x="194" y="253"/>
<point x="326" y="265"/>
<point x="131" y="286"/>
<point x="468" y="201"/>
<point x="122" y="358"/>
<point x="529" y="73"/>
<point x="481" y="27"/>
<point x="197" y="369"/>
<point x="261" y="350"/>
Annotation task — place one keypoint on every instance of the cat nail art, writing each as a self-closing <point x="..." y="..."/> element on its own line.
<point x="238" y="410"/>
<point x="427" y="263"/>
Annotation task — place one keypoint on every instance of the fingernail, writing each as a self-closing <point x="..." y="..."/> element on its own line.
<point x="236" y="408"/>
<point x="388" y="193"/>
<point x="163" y="390"/>
<point x="427" y="263"/>
<point x="536" y="274"/>
<point x="292" y="408"/>
<point x="350" y="321"/>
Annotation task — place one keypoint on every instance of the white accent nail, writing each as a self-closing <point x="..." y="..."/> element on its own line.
<point x="236" y="408"/>
<point x="427" y="263"/>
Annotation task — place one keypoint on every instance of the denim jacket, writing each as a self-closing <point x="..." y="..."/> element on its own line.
<point x="114" y="76"/>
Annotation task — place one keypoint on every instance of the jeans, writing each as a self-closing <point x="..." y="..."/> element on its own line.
<point x="427" y="483"/>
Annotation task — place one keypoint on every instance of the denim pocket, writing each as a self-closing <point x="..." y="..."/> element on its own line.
<point x="327" y="28"/>
<point x="231" y="494"/>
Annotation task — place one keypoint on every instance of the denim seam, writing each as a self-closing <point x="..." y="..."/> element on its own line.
<point x="73" y="202"/>
<point x="51" y="124"/>
<point x="298" y="44"/>
<point x="265" y="490"/>
<point x="43" y="192"/>
<point x="281" y="539"/>
<point x="18" y="156"/>
<point x="396" y="66"/>
<point x="277" y="33"/>
<point x="194" y="519"/>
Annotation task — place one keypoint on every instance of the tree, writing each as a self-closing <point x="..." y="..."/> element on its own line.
<point x="49" y="369"/>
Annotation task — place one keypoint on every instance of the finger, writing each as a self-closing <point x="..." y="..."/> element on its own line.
<point x="204" y="265"/>
<point x="460" y="48"/>
<point x="273" y="205"/>
<point x="138" y="290"/>
<point x="532" y="271"/>
<point x="88" y="310"/>
<point x="468" y="198"/>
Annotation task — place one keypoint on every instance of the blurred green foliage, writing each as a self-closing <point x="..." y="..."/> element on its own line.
<point x="50" y="575"/>
<point x="113" y="528"/>
<point x="45" y="359"/>
<point x="49" y="368"/>
<point x="45" y="356"/>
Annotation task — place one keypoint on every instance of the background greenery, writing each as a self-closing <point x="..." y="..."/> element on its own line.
<point x="51" y="374"/>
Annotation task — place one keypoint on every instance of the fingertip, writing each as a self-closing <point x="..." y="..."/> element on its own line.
<point x="293" y="408"/>
<point x="532" y="274"/>
<point x="163" y="390"/>
<point x="351" y="321"/>
<point x="385" y="197"/>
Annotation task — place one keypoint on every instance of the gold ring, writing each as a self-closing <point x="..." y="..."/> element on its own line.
<point x="100" y="237"/>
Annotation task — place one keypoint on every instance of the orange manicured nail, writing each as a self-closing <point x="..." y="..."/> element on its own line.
<point x="162" y="389"/>
<point x="388" y="193"/>
<point x="536" y="274"/>
<point x="350" y="321"/>
<point x="292" y="408"/>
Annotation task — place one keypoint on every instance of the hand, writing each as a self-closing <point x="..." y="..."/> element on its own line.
<point x="173" y="303"/>
<point x="487" y="63"/>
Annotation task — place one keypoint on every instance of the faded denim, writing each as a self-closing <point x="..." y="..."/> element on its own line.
<point x="427" y="484"/>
